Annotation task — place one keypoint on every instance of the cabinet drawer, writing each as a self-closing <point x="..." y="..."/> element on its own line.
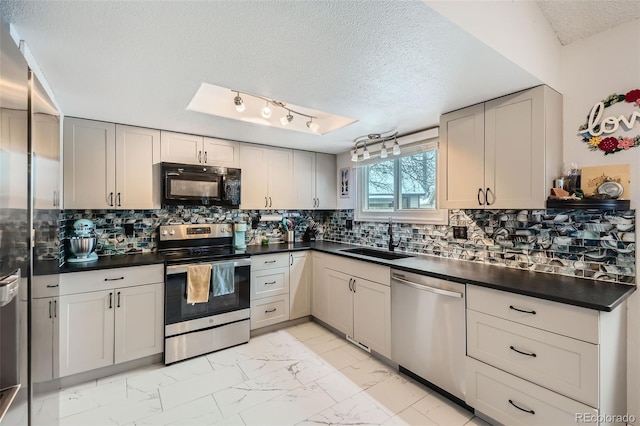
<point x="360" y="268"/>
<point x="270" y="310"/>
<point x="564" y="365"/>
<point x="105" y="279"/>
<point x="271" y="282"/>
<point x="44" y="286"/>
<point x="572" y="321"/>
<point x="489" y="391"/>
<point x="269" y="261"/>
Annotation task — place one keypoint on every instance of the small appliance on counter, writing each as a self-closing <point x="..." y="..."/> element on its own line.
<point x="239" y="242"/>
<point x="83" y="243"/>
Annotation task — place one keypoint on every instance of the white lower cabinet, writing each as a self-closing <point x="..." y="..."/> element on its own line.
<point x="358" y="306"/>
<point x="299" y="284"/>
<point x="269" y="311"/>
<point x="44" y="338"/>
<point x="319" y="302"/>
<point x="536" y="362"/>
<point x="269" y="289"/>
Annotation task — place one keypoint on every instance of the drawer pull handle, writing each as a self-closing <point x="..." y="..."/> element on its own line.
<point x="270" y="310"/>
<point x="533" y="355"/>
<point x="270" y="261"/>
<point x="53" y="285"/>
<point x="270" y="283"/>
<point x="521" y="310"/>
<point x="520" y="408"/>
<point x="114" y="279"/>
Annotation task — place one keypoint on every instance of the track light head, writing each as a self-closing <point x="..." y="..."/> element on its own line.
<point x="383" y="151"/>
<point x="366" y="155"/>
<point x="354" y="155"/>
<point x="238" y="102"/>
<point x="286" y="119"/>
<point x="266" y="111"/>
<point x="396" y="147"/>
<point x="314" y="127"/>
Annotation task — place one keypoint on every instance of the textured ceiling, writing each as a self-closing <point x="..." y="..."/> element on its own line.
<point x="574" y="20"/>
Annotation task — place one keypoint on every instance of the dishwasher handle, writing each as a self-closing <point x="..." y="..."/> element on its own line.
<point x="423" y="287"/>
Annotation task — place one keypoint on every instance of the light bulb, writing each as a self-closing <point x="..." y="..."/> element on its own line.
<point x="314" y="127"/>
<point x="354" y="155"/>
<point x="383" y="151"/>
<point x="238" y="102"/>
<point x="366" y="154"/>
<point x="266" y="111"/>
<point x="396" y="148"/>
<point x="286" y="119"/>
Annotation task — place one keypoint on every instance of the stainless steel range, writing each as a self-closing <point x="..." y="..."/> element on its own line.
<point x="207" y="290"/>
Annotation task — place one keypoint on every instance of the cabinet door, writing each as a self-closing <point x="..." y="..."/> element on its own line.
<point x="339" y="301"/>
<point x="218" y="152"/>
<point x="137" y="168"/>
<point x="461" y="159"/>
<point x="86" y="331"/>
<point x="372" y="315"/>
<point x="13" y="158"/>
<point x="280" y="177"/>
<point x="253" y="162"/>
<point x="299" y="285"/>
<point x="89" y="164"/>
<point x="515" y="150"/>
<point x="326" y="186"/>
<point x="319" y="287"/>
<point x="46" y="161"/>
<point x="139" y="325"/>
<point x="43" y="335"/>
<point x="304" y="180"/>
<point x="181" y="148"/>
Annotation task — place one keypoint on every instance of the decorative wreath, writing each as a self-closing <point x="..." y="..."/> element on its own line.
<point x="611" y="145"/>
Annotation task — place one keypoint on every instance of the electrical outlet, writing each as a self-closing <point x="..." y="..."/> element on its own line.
<point x="460" y="232"/>
<point x="349" y="224"/>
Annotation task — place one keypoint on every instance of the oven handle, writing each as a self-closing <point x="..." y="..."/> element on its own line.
<point x="182" y="268"/>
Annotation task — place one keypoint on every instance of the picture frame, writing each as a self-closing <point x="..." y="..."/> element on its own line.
<point x="345" y="183"/>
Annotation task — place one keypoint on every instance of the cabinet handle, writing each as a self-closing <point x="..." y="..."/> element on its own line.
<point x="205" y="157"/>
<point x="350" y="281"/>
<point x="111" y="199"/>
<point x="270" y="283"/>
<point x="493" y="197"/>
<point x="110" y="300"/>
<point x="291" y="255"/>
<point x="118" y="200"/>
<point x="54" y="198"/>
<point x="354" y="285"/>
<point x="50" y="311"/>
<point x="266" y="204"/>
<point x="270" y="310"/>
<point x="269" y="201"/>
<point x="118" y="300"/>
<point x="199" y="156"/>
<point x="479" y="200"/>
<point x="55" y="309"/>
<point x="114" y="279"/>
<point x="531" y="354"/>
<point x="53" y="285"/>
<point x="521" y="310"/>
<point x="520" y="408"/>
<point x="270" y="261"/>
<point x="318" y="205"/>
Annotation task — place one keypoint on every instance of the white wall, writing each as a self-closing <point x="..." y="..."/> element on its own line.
<point x="516" y="29"/>
<point x="592" y="69"/>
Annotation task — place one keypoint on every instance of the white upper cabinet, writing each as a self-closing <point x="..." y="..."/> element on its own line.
<point x="46" y="161"/>
<point x="192" y="149"/>
<point x="267" y="177"/>
<point x="503" y="153"/>
<point x="314" y="179"/>
<point x="110" y="166"/>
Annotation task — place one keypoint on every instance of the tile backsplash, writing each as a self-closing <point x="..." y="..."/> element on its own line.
<point x="598" y="244"/>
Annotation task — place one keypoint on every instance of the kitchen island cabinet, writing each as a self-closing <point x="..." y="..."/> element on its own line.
<point x="501" y="154"/>
<point x="108" y="165"/>
<point x="267" y="177"/>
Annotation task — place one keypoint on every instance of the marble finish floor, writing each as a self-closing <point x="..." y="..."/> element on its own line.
<point x="300" y="375"/>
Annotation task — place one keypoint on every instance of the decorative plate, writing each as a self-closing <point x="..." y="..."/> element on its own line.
<point x="612" y="189"/>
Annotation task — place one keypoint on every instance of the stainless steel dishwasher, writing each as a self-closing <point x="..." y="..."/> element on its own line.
<point x="428" y="329"/>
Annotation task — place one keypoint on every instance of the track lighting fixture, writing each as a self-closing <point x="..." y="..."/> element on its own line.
<point x="285" y="120"/>
<point x="239" y="104"/>
<point x="375" y="138"/>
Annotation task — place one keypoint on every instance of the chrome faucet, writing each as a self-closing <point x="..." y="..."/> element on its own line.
<point x="392" y="246"/>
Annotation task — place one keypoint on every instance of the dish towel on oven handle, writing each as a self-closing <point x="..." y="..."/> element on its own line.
<point x="198" y="279"/>
<point x="223" y="278"/>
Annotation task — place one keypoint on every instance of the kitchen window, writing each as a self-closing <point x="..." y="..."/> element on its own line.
<point x="402" y="187"/>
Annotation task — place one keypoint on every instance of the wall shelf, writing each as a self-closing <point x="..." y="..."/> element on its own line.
<point x="589" y="203"/>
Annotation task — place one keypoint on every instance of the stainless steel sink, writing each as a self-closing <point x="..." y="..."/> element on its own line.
<point x="387" y="255"/>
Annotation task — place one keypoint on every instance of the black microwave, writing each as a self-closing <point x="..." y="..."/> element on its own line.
<point x="186" y="184"/>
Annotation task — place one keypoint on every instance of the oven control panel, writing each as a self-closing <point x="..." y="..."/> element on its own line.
<point x="199" y="231"/>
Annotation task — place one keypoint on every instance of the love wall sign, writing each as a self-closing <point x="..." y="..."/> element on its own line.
<point x="598" y="130"/>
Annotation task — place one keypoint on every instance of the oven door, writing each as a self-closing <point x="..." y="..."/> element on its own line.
<point x="235" y="297"/>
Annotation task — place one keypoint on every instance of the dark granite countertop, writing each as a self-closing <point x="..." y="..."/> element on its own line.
<point x="592" y="294"/>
